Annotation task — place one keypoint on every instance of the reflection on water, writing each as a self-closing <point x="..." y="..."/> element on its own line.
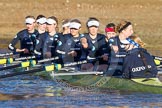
<point x="27" y="96"/>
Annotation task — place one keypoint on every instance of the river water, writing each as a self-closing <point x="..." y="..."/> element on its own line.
<point x="29" y="91"/>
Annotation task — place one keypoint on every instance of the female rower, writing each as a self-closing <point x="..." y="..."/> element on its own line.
<point x="27" y="38"/>
<point x="48" y="41"/>
<point x="67" y="50"/>
<point x="41" y="27"/>
<point x="110" y="31"/>
<point x="41" y="23"/>
<point x="75" y="46"/>
<point x="138" y="63"/>
<point x="118" y="45"/>
<point x="65" y="26"/>
<point x="97" y="40"/>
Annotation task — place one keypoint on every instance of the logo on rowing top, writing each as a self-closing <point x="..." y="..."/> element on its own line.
<point x="141" y="68"/>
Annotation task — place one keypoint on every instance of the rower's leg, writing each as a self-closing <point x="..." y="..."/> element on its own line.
<point x="102" y="68"/>
<point x="87" y="67"/>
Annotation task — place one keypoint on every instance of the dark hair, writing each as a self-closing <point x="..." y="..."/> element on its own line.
<point x="111" y="25"/>
<point x="91" y="19"/>
<point x="54" y="18"/>
<point x="75" y="20"/>
<point x="65" y="21"/>
<point x="29" y="16"/>
<point x="40" y="16"/>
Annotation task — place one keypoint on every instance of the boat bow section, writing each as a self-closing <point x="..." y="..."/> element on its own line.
<point x="152" y="85"/>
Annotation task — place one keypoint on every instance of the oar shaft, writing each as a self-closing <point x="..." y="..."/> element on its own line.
<point x="157" y="58"/>
<point x="10" y="67"/>
<point x="5" y="54"/>
<point x="75" y="63"/>
<point x="22" y="73"/>
<point x="48" y="59"/>
<point x="76" y="73"/>
<point x="24" y="58"/>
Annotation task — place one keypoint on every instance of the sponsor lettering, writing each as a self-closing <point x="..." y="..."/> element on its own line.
<point x="141" y="68"/>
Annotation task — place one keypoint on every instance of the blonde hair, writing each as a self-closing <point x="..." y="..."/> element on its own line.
<point x="138" y="40"/>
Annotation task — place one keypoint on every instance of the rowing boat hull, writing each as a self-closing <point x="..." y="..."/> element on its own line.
<point x="152" y="85"/>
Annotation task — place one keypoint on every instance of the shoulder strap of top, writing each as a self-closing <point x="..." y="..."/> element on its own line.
<point x="141" y="52"/>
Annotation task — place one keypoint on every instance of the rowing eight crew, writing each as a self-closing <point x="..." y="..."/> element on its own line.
<point x="71" y="46"/>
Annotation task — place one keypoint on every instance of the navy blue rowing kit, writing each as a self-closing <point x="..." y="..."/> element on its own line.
<point x="47" y="44"/>
<point x="115" y="63"/>
<point x="139" y="64"/>
<point x="27" y="40"/>
<point x="116" y="42"/>
<point x="100" y="46"/>
<point x="70" y="43"/>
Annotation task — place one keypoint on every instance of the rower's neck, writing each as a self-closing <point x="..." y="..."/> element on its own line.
<point x="41" y="31"/>
<point x="77" y="35"/>
<point x="31" y="31"/>
<point x="122" y="37"/>
<point x="93" y="36"/>
<point x="52" y="33"/>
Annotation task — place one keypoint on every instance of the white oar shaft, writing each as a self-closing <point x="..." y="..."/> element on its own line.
<point x="24" y="58"/>
<point x="76" y="73"/>
<point x="160" y="72"/>
<point x="157" y="58"/>
<point x="48" y="59"/>
<point x="6" y="54"/>
<point x="75" y="63"/>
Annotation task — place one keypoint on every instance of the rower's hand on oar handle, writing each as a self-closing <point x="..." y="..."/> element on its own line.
<point x="26" y="51"/>
<point x="22" y="50"/>
<point x="72" y="53"/>
<point x="105" y="57"/>
<point x="84" y="42"/>
<point x="48" y="55"/>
